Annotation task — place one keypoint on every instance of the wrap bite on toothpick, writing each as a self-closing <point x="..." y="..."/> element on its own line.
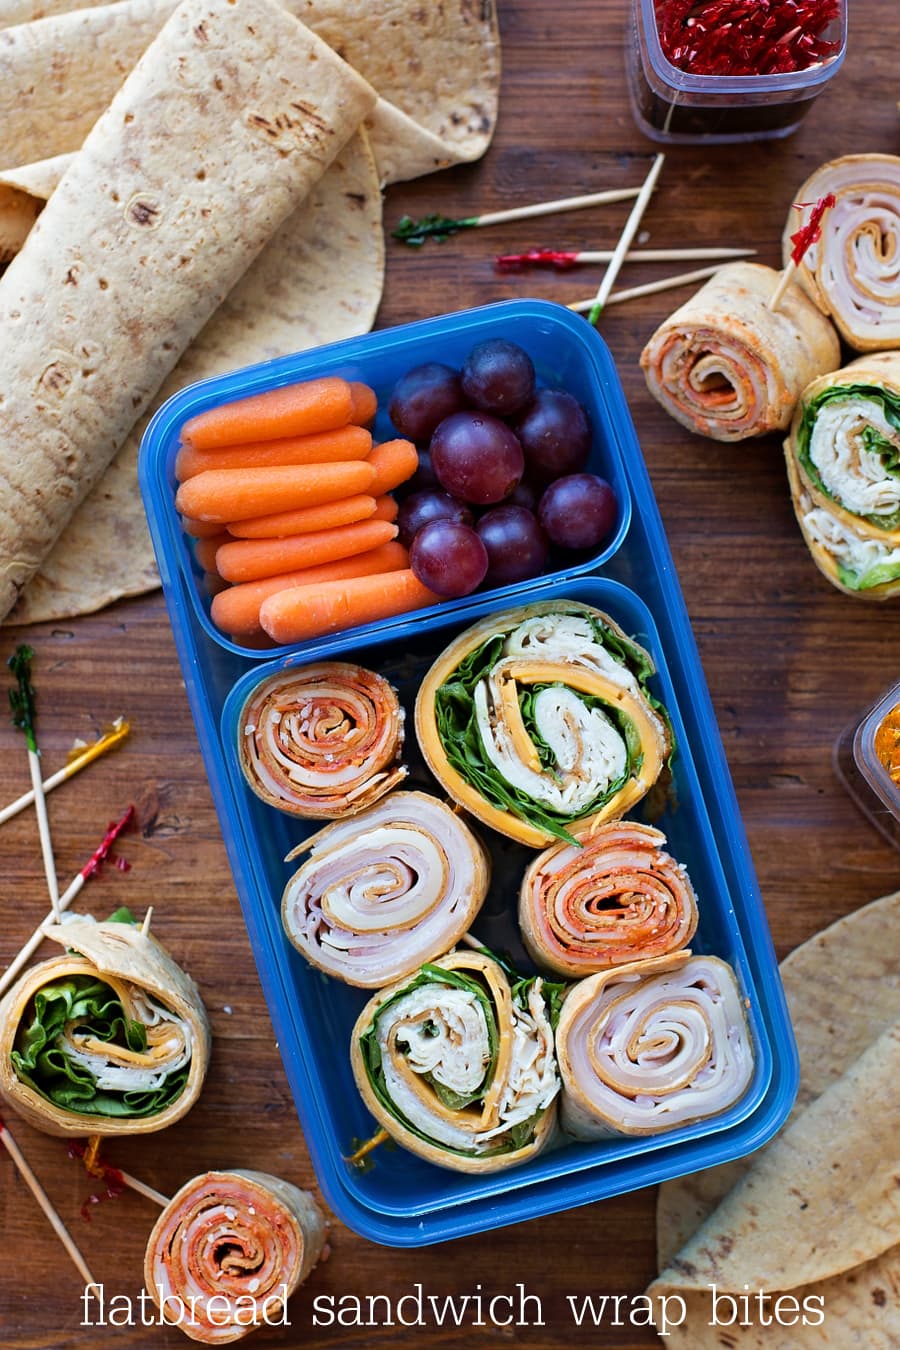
<point x="456" y="1063"/>
<point x="385" y="891"/>
<point x="852" y="272"/>
<point x="108" y="1038"/>
<point x="843" y="462"/>
<point x="649" y="1046"/>
<point x="539" y="719"/>
<point x="726" y="366"/>
<point x="244" y="1239"/>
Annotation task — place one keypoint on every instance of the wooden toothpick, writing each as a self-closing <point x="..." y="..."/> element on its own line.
<point x="415" y="232"/>
<point x="803" y="239"/>
<point x="22" y="702"/>
<point x="625" y="239"/>
<point x="79" y="759"/>
<point x="649" y="288"/>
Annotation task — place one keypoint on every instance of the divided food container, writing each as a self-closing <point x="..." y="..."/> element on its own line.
<point x="402" y="1200"/>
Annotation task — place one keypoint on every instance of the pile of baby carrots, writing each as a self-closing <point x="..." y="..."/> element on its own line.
<point x="289" y="503"/>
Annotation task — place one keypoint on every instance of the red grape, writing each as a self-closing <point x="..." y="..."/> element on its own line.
<point x="555" y="435"/>
<point x="516" y="545"/>
<point x="476" y="457"/>
<point x="498" y="376"/>
<point x="448" y="558"/>
<point x="423" y="397"/>
<point x="422" y="507"/>
<point x="578" y="511"/>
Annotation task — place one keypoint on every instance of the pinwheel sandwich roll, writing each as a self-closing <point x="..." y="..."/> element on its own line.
<point x="322" y="741"/>
<point x="457" y="1063"/>
<point x="110" y="1037"/>
<point x="852" y="272"/>
<point x="229" y="1250"/>
<point x="539" y="719"/>
<point x="384" y="892"/>
<point x="613" y="897"/>
<point x="652" y="1045"/>
<point x="843" y="459"/>
<point x="726" y="366"/>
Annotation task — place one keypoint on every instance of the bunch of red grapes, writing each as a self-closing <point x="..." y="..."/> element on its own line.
<point x="501" y="472"/>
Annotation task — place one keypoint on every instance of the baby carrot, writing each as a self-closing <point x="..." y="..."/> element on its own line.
<point x="293" y="410"/>
<point x="205" y="550"/>
<point x="393" y="462"/>
<point x="385" y="508"/>
<point x="307" y="612"/>
<point x="365" y="404"/>
<point x="324" y="447"/>
<point x="227" y="495"/>
<point x="200" y="529"/>
<point x="236" y="610"/>
<point x="251" y="559"/>
<point x="305" y="518"/>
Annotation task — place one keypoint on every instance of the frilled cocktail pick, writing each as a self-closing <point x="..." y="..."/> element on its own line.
<point x="803" y="239"/>
<point x="22" y="702"/>
<point x="415" y="232"/>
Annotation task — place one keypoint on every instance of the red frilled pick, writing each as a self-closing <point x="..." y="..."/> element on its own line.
<point x="811" y="232"/>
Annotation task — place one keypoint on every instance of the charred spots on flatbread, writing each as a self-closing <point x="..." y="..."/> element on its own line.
<point x="144" y="211"/>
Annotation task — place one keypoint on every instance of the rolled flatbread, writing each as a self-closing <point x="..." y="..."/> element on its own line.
<point x="93" y="318"/>
<point x="843" y="462"/>
<point x="244" y="1239"/>
<point x="108" y="1038"/>
<point x="726" y="366"/>
<point x="382" y="893"/>
<point x="457" y="1064"/>
<point x="852" y="272"/>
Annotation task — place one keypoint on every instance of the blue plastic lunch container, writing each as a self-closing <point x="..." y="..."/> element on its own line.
<point x="404" y="1201"/>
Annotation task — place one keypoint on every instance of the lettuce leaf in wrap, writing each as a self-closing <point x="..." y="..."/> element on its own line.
<point x="874" y="443"/>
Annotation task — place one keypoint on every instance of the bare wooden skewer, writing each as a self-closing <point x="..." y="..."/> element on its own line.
<point x="145" y="926"/>
<point x="625" y="239"/>
<point x="649" y="288"/>
<point x="43" y="1200"/>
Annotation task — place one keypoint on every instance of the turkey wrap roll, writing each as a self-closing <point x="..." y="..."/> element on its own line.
<point x="539" y="718"/>
<point x="457" y="1063"/>
<point x="852" y="271"/>
<point x="614" y="897"/>
<point x="323" y="740"/>
<point x="652" y="1045"/>
<point x="384" y="892"/>
<point x="726" y="366"/>
<point x="244" y="1239"/>
<point x="108" y="1038"/>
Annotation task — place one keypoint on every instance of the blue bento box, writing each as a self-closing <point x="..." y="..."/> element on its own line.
<point x="403" y="1200"/>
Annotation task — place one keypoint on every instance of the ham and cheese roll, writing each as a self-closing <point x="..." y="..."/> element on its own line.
<point x="380" y="894"/>
<point x="228" y="1251"/>
<point x="613" y="897"/>
<point x="108" y="1038"/>
<point x="852" y="271"/>
<point x="843" y="461"/>
<point x="655" y="1044"/>
<point x="322" y="741"/>
<point x="726" y="366"/>
<point x="538" y="719"/>
<point x="457" y="1063"/>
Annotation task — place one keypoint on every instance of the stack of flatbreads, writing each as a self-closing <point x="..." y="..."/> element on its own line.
<point x="186" y="189"/>
<point x="811" y="1222"/>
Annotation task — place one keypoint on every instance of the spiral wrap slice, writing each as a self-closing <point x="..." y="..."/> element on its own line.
<point x="843" y="462"/>
<point x="726" y="366"/>
<point x="229" y="1250"/>
<point x="539" y="718"/>
<point x="649" y="1046"/>
<point x="614" y="897"/>
<point x="852" y="272"/>
<point x="109" y="1038"/>
<point x="322" y="741"/>
<point x="384" y="892"/>
<point x="457" y="1063"/>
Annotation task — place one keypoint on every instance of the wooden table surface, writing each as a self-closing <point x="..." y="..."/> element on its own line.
<point x="789" y="661"/>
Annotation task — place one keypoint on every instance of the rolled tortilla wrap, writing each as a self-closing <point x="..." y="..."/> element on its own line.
<point x="613" y="897"/>
<point x="457" y="1063"/>
<point x="384" y="892"/>
<point x="538" y="719"/>
<point x="245" y="1239"/>
<point x="726" y="366"/>
<point x="132" y="253"/>
<point x="852" y="271"/>
<point x="109" y="1039"/>
<point x="322" y="741"/>
<point x="653" y="1045"/>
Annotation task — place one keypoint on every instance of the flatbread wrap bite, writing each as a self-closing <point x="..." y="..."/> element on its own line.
<point x="539" y="719"/>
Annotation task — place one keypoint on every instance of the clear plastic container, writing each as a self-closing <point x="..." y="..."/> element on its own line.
<point x="671" y="105"/>
<point x="863" y="771"/>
